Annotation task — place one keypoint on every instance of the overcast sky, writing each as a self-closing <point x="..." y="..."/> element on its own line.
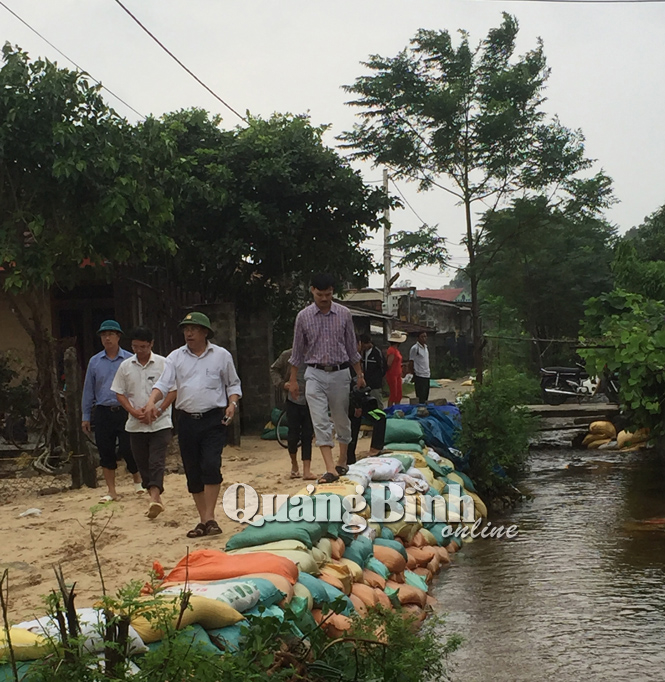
<point x="607" y="61"/>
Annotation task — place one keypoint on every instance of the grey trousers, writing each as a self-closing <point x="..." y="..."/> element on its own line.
<point x="328" y="400"/>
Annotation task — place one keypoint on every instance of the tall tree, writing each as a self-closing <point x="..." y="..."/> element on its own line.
<point x="258" y="208"/>
<point x="74" y="190"/>
<point x="471" y="115"/>
<point x="545" y="262"/>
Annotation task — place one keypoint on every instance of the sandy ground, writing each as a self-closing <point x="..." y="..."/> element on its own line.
<point x="31" y="546"/>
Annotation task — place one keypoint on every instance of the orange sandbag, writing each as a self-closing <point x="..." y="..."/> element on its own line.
<point x="435" y="565"/>
<point x="417" y="540"/>
<point x="411" y="562"/>
<point x="430" y="602"/>
<point x="422" y="555"/>
<point x="338" y="547"/>
<point x="358" y="605"/>
<point x="394" y="561"/>
<point x="407" y="594"/>
<point x="373" y="579"/>
<point x="335" y="582"/>
<point x="397" y="577"/>
<point x="211" y="564"/>
<point x="317" y="614"/>
<point x="341" y="573"/>
<point x="383" y="599"/>
<point x="443" y="555"/>
<point x="452" y="547"/>
<point x="413" y="611"/>
<point x="365" y="593"/>
<point x="337" y="626"/>
<point x="425" y="573"/>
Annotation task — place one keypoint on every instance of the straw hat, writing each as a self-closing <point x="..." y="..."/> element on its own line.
<point x="397" y="337"/>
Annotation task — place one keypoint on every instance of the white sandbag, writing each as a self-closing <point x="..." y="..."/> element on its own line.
<point x="241" y="596"/>
<point x="93" y="627"/>
<point x="359" y="476"/>
<point x="418" y="484"/>
<point x="416" y="473"/>
<point x="382" y="468"/>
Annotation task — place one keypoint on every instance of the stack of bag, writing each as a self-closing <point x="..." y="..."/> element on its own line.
<point x="603" y="436"/>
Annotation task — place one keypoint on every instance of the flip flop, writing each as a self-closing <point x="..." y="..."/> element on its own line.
<point x="105" y="499"/>
<point x="154" y="510"/>
<point x="341" y="470"/>
<point x="139" y="489"/>
<point x="328" y="477"/>
<point x="295" y="474"/>
<point x="198" y="531"/>
<point x="212" y="528"/>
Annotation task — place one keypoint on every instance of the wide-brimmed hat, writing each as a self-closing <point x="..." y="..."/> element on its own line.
<point x="109" y="326"/>
<point x="397" y="337"/>
<point x="200" y="319"/>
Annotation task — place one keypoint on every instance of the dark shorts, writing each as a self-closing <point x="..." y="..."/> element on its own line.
<point x="201" y="443"/>
<point x="111" y="438"/>
<point x="149" y="450"/>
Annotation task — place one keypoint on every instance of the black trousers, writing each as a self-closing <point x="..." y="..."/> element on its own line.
<point x="109" y="433"/>
<point x="301" y="429"/>
<point x="422" y="388"/>
<point x="378" y="436"/>
<point x="149" y="450"/>
<point x="201" y="443"/>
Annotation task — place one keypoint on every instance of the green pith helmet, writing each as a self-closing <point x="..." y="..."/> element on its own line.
<point x="109" y="326"/>
<point x="199" y="319"/>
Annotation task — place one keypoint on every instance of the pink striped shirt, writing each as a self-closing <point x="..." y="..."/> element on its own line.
<point x="324" y="339"/>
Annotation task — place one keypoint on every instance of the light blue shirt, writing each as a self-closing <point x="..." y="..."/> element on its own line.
<point x="98" y="380"/>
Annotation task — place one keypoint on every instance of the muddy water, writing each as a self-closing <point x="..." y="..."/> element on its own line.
<point x="580" y="593"/>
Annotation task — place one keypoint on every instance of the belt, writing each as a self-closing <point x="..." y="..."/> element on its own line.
<point x="201" y="415"/>
<point x="330" y="368"/>
<point x="111" y="408"/>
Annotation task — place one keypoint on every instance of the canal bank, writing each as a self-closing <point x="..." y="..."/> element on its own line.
<point x="580" y="593"/>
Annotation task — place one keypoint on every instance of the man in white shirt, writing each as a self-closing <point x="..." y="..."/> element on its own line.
<point x="419" y="367"/>
<point x="208" y="392"/>
<point x="132" y="385"/>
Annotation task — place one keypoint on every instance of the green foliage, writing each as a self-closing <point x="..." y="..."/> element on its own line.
<point x="17" y="396"/>
<point x="258" y="208"/>
<point x="496" y="430"/>
<point x="628" y="332"/>
<point x="545" y="261"/>
<point x="73" y="180"/>
<point x="504" y="333"/>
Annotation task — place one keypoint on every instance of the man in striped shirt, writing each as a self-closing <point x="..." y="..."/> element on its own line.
<point x="325" y="340"/>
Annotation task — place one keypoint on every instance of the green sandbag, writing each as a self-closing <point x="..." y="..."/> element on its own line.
<point x="393" y="594"/>
<point x="353" y="553"/>
<point x="468" y="483"/>
<point x="24" y="668"/>
<point x="403" y="431"/>
<point x="393" y="544"/>
<point x="436" y="528"/>
<point x="415" y="580"/>
<point x="273" y="531"/>
<point x="373" y="564"/>
<point x="275" y="414"/>
<point x="404" y="447"/>
<point x="271" y="434"/>
<point x="315" y="587"/>
<point x="270" y="595"/>
<point x="406" y="460"/>
<point x="436" y="467"/>
<point x="195" y="636"/>
<point x="230" y="637"/>
<point x="387" y="534"/>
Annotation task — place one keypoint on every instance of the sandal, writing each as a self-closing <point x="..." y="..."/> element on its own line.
<point x="341" y="470"/>
<point x="212" y="528"/>
<point x="198" y="531"/>
<point x="155" y="509"/>
<point x="328" y="478"/>
<point x="295" y="474"/>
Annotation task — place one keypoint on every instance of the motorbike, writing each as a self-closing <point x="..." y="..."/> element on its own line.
<point x="560" y="383"/>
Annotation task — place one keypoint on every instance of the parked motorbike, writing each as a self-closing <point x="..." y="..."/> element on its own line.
<point x="560" y="383"/>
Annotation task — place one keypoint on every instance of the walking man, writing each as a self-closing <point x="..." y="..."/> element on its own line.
<point x="419" y="367"/>
<point x="110" y="416"/>
<point x="325" y="340"/>
<point x="298" y="417"/>
<point x="208" y="390"/>
<point x="132" y="385"/>
<point x="373" y="366"/>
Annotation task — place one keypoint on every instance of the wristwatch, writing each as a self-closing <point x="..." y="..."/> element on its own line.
<point x="234" y="403"/>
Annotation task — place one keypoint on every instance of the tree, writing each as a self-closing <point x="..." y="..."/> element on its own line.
<point x="257" y="209"/>
<point x="471" y="115"/>
<point x="545" y="261"/>
<point x="74" y="190"/>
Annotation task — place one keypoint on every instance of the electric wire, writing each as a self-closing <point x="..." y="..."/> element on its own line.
<point x="69" y="59"/>
<point x="407" y="202"/>
<point x="189" y="71"/>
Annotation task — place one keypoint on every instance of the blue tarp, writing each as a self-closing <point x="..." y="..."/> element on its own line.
<point x="439" y="427"/>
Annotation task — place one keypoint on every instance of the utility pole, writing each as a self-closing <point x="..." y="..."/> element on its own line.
<point x="387" y="303"/>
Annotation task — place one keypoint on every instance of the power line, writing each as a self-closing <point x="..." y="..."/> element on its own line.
<point x="69" y="59"/>
<point x="189" y="71"/>
<point x="407" y="202"/>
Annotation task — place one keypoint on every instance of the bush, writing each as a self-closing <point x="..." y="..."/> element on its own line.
<point x="496" y="431"/>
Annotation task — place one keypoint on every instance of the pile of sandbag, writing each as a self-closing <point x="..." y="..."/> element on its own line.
<point x="603" y="436"/>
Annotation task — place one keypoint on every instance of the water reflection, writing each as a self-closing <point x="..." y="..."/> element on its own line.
<point x="580" y="593"/>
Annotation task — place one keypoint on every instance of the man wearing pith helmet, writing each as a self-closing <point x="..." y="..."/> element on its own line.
<point x="110" y="417"/>
<point x="208" y="391"/>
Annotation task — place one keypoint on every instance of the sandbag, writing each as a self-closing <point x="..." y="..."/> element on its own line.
<point x="592" y="437"/>
<point x="269" y="593"/>
<point x="272" y="531"/>
<point x="411" y="578"/>
<point x="209" y="613"/>
<point x="299" y="590"/>
<point x="428" y="537"/>
<point x="408" y="594"/>
<point x="337" y="575"/>
<point x="376" y="566"/>
<point x="422" y="555"/>
<point x="380" y="468"/>
<point x="393" y="544"/>
<point x="405" y="459"/>
<point x="355" y="570"/>
<point x="338" y="547"/>
<point x="626" y="438"/>
<point x="404" y="447"/>
<point x="358" y="605"/>
<point x="403" y="431"/>
<point x="383" y="599"/>
<point x="393" y="560"/>
<point x="325" y="545"/>
<point x="603" y="429"/>
<point x="241" y="596"/>
<point x="594" y="445"/>
<point x="373" y="579"/>
<point x="284" y="585"/>
<point x="479" y="505"/>
<point x="315" y="587"/>
<point x="27" y="645"/>
<point x="365" y="593"/>
<point x="424" y="573"/>
<point x="212" y="564"/>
